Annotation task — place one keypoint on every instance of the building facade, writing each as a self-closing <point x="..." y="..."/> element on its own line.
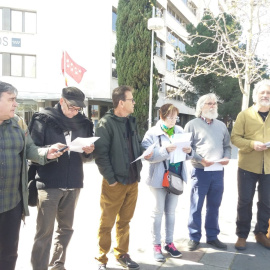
<point x="34" y="35"/>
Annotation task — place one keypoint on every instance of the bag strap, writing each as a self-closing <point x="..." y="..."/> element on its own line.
<point x="164" y="163"/>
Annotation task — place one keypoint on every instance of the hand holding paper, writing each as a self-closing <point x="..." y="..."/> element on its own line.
<point x="79" y="143"/>
<point x="147" y="152"/>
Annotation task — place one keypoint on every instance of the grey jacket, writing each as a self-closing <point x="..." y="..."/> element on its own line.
<point x="156" y="166"/>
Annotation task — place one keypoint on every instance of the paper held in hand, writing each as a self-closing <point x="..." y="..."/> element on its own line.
<point x="267" y="144"/>
<point x="146" y="152"/>
<point x="77" y="144"/>
<point x="216" y="166"/>
<point x="181" y="140"/>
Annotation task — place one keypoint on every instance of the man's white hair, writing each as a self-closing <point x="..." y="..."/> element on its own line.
<point x="258" y="87"/>
<point x="202" y="101"/>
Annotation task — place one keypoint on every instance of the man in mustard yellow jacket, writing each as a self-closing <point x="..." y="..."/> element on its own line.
<point x="251" y="134"/>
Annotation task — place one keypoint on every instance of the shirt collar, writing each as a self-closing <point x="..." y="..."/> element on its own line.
<point x="204" y="119"/>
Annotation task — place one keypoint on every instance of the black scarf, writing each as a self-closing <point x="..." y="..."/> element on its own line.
<point x="56" y="118"/>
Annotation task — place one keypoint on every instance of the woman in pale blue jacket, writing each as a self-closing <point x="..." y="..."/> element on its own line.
<point x="164" y="202"/>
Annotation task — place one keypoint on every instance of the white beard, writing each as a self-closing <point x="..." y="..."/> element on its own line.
<point x="210" y="114"/>
<point x="264" y="103"/>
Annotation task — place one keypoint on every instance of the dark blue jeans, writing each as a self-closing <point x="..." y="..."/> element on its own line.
<point x="246" y="189"/>
<point x="209" y="185"/>
<point x="10" y="223"/>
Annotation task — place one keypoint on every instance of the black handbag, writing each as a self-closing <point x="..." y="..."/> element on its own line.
<point x="172" y="182"/>
<point x="32" y="193"/>
<point x="32" y="186"/>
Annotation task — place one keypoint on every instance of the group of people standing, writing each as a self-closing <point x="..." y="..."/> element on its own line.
<point x="59" y="181"/>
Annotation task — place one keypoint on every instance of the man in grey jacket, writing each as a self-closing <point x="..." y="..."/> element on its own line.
<point x="211" y="142"/>
<point x="15" y="146"/>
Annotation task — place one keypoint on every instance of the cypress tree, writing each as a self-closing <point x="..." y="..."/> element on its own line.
<point x="133" y="55"/>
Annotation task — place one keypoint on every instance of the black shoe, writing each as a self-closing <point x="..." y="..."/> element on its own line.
<point x="192" y="245"/>
<point x="126" y="262"/>
<point x="216" y="243"/>
<point x="102" y="267"/>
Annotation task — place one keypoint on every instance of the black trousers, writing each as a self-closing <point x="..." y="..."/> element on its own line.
<point x="246" y="189"/>
<point x="10" y="223"/>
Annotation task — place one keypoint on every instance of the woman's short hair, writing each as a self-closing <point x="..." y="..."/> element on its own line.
<point x="202" y="101"/>
<point x="167" y="109"/>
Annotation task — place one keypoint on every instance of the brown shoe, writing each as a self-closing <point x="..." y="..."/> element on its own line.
<point x="240" y="244"/>
<point x="263" y="240"/>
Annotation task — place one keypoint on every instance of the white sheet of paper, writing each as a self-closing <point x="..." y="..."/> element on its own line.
<point x="77" y="144"/>
<point x="215" y="167"/>
<point x="267" y="144"/>
<point x="146" y="152"/>
<point x="180" y="140"/>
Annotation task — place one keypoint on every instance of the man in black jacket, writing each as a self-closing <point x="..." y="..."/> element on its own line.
<point x="118" y="146"/>
<point x="59" y="184"/>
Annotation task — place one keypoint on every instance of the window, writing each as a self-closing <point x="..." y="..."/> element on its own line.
<point x="30" y="22"/>
<point x="1" y="19"/>
<point x="173" y="92"/>
<point x="178" y="17"/>
<point x="169" y="64"/>
<point x="29" y="66"/>
<point x="20" y="65"/>
<point x="114" y="72"/>
<point x="159" y="48"/>
<point x="174" y="40"/>
<point x="16" y="65"/>
<point x="18" y="21"/>
<point x="114" y="17"/>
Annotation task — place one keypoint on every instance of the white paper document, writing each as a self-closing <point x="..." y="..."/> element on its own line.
<point x="77" y="144"/>
<point x="267" y="144"/>
<point x="216" y="166"/>
<point x="180" y="141"/>
<point x="146" y="152"/>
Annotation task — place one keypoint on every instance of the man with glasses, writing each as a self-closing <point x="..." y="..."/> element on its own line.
<point x="59" y="184"/>
<point x="118" y="146"/>
<point x="210" y="141"/>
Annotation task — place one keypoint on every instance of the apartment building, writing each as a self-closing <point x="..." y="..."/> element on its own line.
<point x="34" y="35"/>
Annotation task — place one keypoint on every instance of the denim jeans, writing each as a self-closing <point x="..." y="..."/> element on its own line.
<point x="164" y="203"/>
<point x="117" y="204"/>
<point x="54" y="204"/>
<point x="246" y="189"/>
<point x="10" y="223"/>
<point x="209" y="185"/>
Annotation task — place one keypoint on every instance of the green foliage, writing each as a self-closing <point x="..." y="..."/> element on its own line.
<point x="133" y="55"/>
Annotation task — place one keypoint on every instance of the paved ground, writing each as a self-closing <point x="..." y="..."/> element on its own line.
<point x="83" y="245"/>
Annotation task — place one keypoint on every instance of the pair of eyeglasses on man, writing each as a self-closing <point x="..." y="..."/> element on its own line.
<point x="132" y="99"/>
<point x="72" y="108"/>
<point x="211" y="103"/>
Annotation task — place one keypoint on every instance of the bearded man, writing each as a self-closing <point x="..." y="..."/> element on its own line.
<point x="250" y="134"/>
<point x="210" y="141"/>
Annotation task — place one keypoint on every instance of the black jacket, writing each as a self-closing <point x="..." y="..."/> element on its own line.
<point x="111" y="150"/>
<point x="45" y="130"/>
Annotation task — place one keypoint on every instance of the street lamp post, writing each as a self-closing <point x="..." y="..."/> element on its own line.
<point x="153" y="24"/>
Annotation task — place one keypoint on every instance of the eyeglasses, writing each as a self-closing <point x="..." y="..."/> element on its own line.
<point x="132" y="99"/>
<point x="211" y="103"/>
<point x="72" y="108"/>
<point x="173" y="118"/>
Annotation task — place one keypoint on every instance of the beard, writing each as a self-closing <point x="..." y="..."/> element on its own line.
<point x="210" y="114"/>
<point x="264" y="102"/>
